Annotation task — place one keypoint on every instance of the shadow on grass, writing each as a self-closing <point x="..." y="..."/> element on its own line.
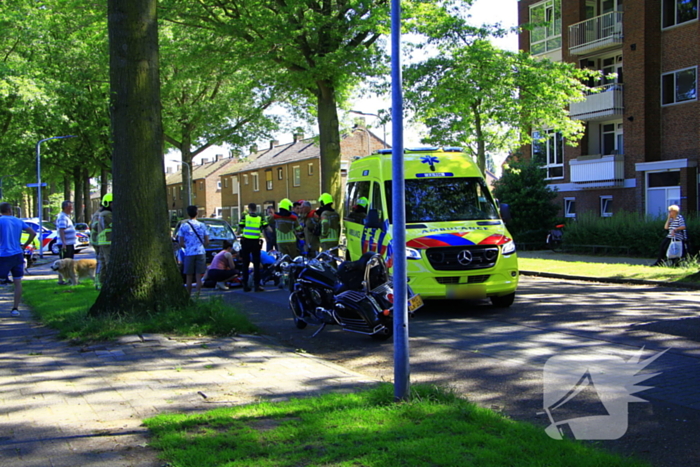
<point x="65" y="309"/>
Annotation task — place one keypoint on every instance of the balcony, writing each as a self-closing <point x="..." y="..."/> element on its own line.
<point x="598" y="171"/>
<point x="596" y="33"/>
<point x="603" y="103"/>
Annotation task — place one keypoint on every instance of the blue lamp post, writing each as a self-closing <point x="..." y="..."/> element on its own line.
<point x="38" y="187"/>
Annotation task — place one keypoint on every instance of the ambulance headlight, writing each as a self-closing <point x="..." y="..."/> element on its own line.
<point x="508" y="248"/>
<point x="412" y="253"/>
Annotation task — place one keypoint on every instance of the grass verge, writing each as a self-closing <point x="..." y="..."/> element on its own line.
<point x="65" y="309"/>
<point x="436" y="428"/>
<point x="687" y="271"/>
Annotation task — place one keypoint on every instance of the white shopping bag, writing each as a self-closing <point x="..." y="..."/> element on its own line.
<point x="675" y="249"/>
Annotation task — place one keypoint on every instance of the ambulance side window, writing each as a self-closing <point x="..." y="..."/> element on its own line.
<point x="356" y="200"/>
<point x="376" y="202"/>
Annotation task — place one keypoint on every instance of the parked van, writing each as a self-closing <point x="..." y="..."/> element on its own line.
<point x="456" y="242"/>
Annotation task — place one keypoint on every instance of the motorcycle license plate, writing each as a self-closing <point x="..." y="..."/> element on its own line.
<point x="414" y="303"/>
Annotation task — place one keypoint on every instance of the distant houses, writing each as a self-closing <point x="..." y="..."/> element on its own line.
<point x="225" y="186"/>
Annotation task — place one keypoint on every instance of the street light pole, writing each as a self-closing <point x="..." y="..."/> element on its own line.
<point x="38" y="187"/>
<point x="372" y="115"/>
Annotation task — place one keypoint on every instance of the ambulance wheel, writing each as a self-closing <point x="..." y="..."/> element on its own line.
<point x="297" y="311"/>
<point x="503" y="301"/>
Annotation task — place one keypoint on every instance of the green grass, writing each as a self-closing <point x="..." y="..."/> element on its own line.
<point x="435" y="428"/>
<point x="687" y="271"/>
<point x="65" y="308"/>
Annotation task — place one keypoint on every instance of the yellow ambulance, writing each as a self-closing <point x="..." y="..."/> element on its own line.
<point x="456" y="242"/>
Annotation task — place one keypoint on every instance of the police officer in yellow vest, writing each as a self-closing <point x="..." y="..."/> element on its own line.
<point x="251" y="228"/>
<point x="286" y="228"/>
<point x="101" y="232"/>
<point x="330" y="222"/>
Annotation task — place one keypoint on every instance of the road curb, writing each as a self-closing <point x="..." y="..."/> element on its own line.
<point x="613" y="280"/>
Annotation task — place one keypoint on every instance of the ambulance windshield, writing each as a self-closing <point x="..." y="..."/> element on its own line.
<point x="446" y="199"/>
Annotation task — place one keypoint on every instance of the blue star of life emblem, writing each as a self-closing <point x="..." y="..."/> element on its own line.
<point x="430" y="160"/>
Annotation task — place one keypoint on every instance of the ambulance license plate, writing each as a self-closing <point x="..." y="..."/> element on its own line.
<point x="414" y="303"/>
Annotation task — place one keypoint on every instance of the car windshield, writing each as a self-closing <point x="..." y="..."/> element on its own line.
<point x="219" y="230"/>
<point x="443" y="199"/>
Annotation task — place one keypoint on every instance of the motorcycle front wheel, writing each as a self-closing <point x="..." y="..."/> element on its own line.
<point x="297" y="311"/>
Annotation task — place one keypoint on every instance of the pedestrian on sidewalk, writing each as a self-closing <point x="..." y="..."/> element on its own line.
<point x="194" y="238"/>
<point x="675" y="224"/>
<point x="66" y="233"/>
<point x="11" y="248"/>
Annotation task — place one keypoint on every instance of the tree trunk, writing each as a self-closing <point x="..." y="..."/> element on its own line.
<point x="186" y="169"/>
<point x="142" y="275"/>
<point x="78" y="191"/>
<point x="329" y="137"/>
<point x="104" y="183"/>
<point x="67" y="184"/>
<point x="480" y="143"/>
<point x="87" y="206"/>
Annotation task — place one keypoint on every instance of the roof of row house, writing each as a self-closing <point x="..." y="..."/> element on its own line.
<point x="282" y="154"/>
<point x="303" y="149"/>
<point x="202" y="171"/>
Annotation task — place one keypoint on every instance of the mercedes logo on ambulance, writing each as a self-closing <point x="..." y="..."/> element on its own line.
<point x="464" y="257"/>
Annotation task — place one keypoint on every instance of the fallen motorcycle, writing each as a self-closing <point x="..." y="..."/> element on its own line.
<point x="357" y="295"/>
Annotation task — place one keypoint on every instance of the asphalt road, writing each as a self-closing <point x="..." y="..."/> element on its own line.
<point x="496" y="357"/>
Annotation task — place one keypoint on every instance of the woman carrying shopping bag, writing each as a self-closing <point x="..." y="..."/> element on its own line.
<point x="674" y="247"/>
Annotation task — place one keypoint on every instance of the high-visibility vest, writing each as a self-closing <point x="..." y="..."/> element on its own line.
<point x="104" y="227"/>
<point x="251" y="228"/>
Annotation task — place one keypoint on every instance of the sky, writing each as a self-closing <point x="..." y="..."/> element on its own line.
<point x="482" y="11"/>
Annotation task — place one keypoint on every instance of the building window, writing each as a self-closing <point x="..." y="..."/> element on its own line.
<point x="234" y="185"/>
<point x="245" y="179"/>
<point x="268" y="179"/>
<point x="279" y="174"/>
<point x="218" y="184"/>
<point x="297" y="175"/>
<point x="679" y="11"/>
<point x="663" y="190"/>
<point x="182" y="189"/>
<point x="569" y="207"/>
<point x="256" y="184"/>
<point x="548" y="150"/>
<point x="546" y="33"/>
<point x="679" y="86"/>
<point x="201" y="185"/>
<point x="606" y="206"/>
<point x="611" y="139"/>
<point x="311" y="169"/>
<point x="225" y="182"/>
<point x="344" y="168"/>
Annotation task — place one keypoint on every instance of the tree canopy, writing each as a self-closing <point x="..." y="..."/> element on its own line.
<point x="487" y="100"/>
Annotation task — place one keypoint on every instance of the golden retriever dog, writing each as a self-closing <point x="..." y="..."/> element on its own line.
<point x="72" y="270"/>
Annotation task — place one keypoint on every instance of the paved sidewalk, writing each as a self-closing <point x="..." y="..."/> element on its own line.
<point x="63" y="405"/>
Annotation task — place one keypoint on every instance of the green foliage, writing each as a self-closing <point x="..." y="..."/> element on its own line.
<point x="524" y="189"/>
<point x="627" y="232"/>
<point x="65" y="308"/>
<point x="486" y="99"/>
<point x="434" y="428"/>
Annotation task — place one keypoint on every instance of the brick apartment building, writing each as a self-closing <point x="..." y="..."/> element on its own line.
<point x="287" y="171"/>
<point x="641" y="147"/>
<point x="206" y="187"/>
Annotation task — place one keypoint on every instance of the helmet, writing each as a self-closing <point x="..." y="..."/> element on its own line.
<point x="286" y="204"/>
<point x="325" y="198"/>
<point x="363" y="202"/>
<point x="106" y="199"/>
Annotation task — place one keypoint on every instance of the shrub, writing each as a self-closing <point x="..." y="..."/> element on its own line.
<point x="628" y="232"/>
<point x="524" y="189"/>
